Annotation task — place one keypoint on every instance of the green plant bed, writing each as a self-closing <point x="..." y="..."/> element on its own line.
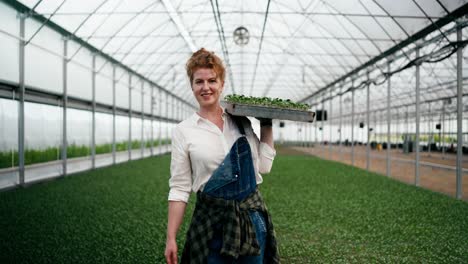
<point x="34" y="156"/>
<point x="324" y="212"/>
<point x="31" y="156"/>
<point x="166" y="141"/>
<point x="104" y="148"/>
<point x="135" y="144"/>
<point x="121" y="146"/>
<point x="8" y="159"/>
<point x="75" y="151"/>
<point x="265" y="101"/>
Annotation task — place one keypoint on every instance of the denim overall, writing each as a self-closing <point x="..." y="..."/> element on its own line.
<point x="235" y="179"/>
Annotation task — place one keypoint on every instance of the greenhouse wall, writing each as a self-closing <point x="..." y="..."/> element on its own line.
<point x="100" y="127"/>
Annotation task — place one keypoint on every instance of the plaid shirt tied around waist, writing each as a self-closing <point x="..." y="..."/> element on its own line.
<point x="238" y="232"/>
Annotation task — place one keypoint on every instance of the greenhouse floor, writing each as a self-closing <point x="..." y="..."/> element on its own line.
<point x="437" y="170"/>
<point x="323" y="212"/>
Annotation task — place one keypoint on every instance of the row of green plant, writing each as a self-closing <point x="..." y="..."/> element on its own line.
<point x="266" y="101"/>
<point x="32" y="156"/>
<point x="435" y="138"/>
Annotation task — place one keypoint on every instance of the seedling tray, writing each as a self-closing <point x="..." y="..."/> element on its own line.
<point x="238" y="109"/>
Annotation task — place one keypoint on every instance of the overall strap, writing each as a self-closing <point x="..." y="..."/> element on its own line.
<point x="238" y="121"/>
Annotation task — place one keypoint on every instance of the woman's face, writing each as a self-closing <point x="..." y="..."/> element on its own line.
<point x="207" y="87"/>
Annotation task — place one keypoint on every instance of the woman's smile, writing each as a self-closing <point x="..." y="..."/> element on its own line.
<point x="207" y="87"/>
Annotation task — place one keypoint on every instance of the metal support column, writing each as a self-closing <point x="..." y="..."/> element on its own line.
<point x="459" y="116"/>
<point x="340" y="130"/>
<point x="129" y="144"/>
<point x="388" y="121"/>
<point x="430" y="136"/>
<point x="143" y="142"/>
<point x="173" y="114"/>
<point x="441" y="138"/>
<point x="160" y="121"/>
<point x="93" y="125"/>
<point x="397" y="126"/>
<point x="173" y="98"/>
<point x="114" y="147"/>
<point x="179" y="110"/>
<point x="322" y="130"/>
<point x="352" y="123"/>
<point x="22" y="44"/>
<point x="375" y="127"/>
<point x="309" y="126"/>
<point x="368" y="123"/>
<point x="406" y="120"/>
<point x="330" y="127"/>
<point x="418" y="118"/>
<point x="64" y="107"/>
<point x="315" y="133"/>
<point x="176" y="109"/>
<point x="167" y="123"/>
<point x="152" y="120"/>
<point x="304" y="134"/>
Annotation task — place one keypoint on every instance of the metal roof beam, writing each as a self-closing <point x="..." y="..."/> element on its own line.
<point x="461" y="11"/>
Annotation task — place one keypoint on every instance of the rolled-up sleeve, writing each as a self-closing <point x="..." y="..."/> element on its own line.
<point x="266" y="155"/>
<point x="180" y="183"/>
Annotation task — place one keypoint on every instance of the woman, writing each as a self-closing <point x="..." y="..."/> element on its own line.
<point x="219" y="157"/>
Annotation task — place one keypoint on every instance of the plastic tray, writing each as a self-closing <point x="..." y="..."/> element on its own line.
<point x="268" y="112"/>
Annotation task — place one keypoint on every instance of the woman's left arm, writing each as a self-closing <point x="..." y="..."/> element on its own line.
<point x="266" y="135"/>
<point x="266" y="149"/>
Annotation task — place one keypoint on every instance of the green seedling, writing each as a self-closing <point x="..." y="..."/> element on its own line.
<point x="266" y="101"/>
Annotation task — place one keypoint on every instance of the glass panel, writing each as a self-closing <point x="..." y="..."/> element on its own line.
<point x="163" y="103"/>
<point x="157" y="136"/>
<point x="103" y="133"/>
<point x="147" y="99"/>
<point x="9" y="58"/>
<point x="452" y="5"/>
<point x="79" y="129"/>
<point x="43" y="140"/>
<point x="45" y="38"/>
<point x="404" y="8"/>
<point x="79" y="75"/>
<point x="104" y="89"/>
<point x="136" y="137"/>
<point x="121" y="137"/>
<point x="168" y="136"/>
<point x="8" y="44"/>
<point x="413" y="25"/>
<point x="165" y="136"/>
<point x="136" y="95"/>
<point x="121" y="90"/>
<point x="8" y="142"/>
<point x="43" y="70"/>
<point x="10" y="21"/>
<point x="8" y="133"/>
<point x="147" y="137"/>
<point x="103" y="139"/>
<point x="79" y="80"/>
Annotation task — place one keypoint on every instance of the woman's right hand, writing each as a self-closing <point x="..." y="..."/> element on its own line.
<point x="171" y="252"/>
<point x="174" y="219"/>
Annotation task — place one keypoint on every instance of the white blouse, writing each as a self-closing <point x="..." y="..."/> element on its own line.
<point x="199" y="147"/>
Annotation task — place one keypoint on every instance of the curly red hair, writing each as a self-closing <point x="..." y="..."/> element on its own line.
<point x="205" y="59"/>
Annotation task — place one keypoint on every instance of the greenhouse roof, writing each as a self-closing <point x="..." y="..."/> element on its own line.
<point x="286" y="49"/>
